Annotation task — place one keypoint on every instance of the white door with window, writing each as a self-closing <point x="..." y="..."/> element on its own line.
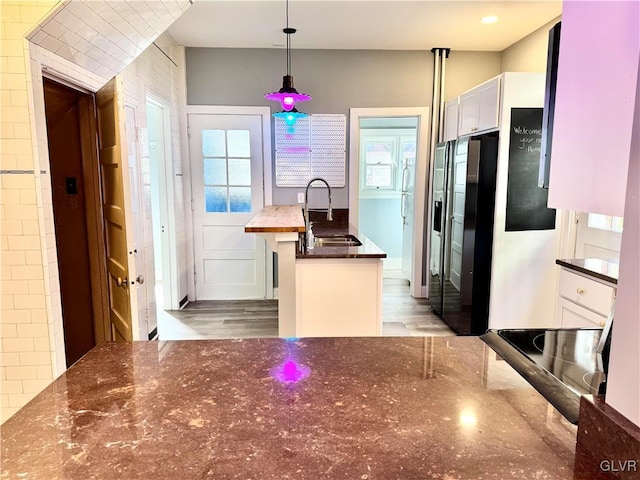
<point x="227" y="189"/>
<point x="598" y="236"/>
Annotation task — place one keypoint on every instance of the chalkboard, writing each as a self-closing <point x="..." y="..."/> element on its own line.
<point x="526" y="202"/>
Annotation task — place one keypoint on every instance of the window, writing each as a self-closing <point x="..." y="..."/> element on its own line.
<point x="227" y="171"/>
<point x="605" y="222"/>
<point x="379" y="163"/>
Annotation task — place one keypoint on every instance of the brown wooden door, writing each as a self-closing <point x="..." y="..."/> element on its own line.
<point x="110" y="145"/>
<point x="64" y="108"/>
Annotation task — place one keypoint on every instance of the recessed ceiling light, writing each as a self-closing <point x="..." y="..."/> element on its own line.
<point x="489" y="19"/>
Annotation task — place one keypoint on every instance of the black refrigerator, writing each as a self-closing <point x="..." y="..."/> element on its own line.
<point x="461" y="230"/>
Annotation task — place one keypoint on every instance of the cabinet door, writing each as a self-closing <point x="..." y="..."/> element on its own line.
<point x="489" y="101"/>
<point x="570" y="315"/>
<point x="593" y="114"/>
<point x="451" y="120"/>
<point x="469" y="112"/>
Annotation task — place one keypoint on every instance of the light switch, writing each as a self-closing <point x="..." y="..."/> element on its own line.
<point x="300" y="197"/>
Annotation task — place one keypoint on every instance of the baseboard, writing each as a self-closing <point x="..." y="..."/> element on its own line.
<point x="183" y="302"/>
<point x="153" y="334"/>
<point x="275" y="293"/>
<point x="423" y="291"/>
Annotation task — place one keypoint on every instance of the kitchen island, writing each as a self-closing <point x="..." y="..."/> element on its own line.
<point x="327" y="290"/>
<point x="323" y="408"/>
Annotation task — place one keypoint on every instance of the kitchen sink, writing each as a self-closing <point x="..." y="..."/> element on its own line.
<point x="337" y="241"/>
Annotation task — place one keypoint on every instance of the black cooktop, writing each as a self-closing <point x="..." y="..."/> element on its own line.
<point x="568" y="354"/>
<point x="562" y="364"/>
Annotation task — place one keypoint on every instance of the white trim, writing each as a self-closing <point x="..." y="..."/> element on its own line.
<point x="422" y="161"/>
<point x="424" y="291"/>
<point x="170" y="287"/>
<point x="267" y="160"/>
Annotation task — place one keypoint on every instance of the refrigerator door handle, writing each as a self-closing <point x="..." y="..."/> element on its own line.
<point x="402" y="198"/>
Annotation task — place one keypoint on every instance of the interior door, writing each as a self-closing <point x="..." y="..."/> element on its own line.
<point x="408" y="159"/>
<point x="598" y="236"/>
<point x="227" y="185"/>
<point x="110" y="149"/>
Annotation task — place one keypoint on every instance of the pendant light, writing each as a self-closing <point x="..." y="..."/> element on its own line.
<point x="288" y="96"/>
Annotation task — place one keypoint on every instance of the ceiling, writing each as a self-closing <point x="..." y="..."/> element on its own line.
<point x="359" y="24"/>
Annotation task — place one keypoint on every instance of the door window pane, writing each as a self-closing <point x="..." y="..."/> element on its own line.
<point x="213" y="143"/>
<point x="238" y="143"/>
<point x="240" y="199"/>
<point x="239" y="171"/>
<point x="215" y="171"/>
<point x="215" y="199"/>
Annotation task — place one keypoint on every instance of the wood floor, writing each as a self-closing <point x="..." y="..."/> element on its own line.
<point x="403" y="315"/>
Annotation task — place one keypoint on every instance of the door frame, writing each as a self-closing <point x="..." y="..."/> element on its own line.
<point x="93" y="206"/>
<point x="422" y="162"/>
<point x="267" y="178"/>
<point x="169" y="260"/>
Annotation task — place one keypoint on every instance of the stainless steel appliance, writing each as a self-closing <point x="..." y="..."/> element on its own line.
<point x="463" y="185"/>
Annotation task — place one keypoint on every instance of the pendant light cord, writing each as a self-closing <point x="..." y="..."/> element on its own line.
<point x="288" y="40"/>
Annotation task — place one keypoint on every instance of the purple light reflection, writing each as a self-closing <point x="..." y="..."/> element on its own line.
<point x="290" y="372"/>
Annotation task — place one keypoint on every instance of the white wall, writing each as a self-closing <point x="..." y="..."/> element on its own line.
<point x="158" y="72"/>
<point x="32" y="341"/>
<point x="523" y="271"/>
<point x="530" y="53"/>
<point x="623" y="384"/>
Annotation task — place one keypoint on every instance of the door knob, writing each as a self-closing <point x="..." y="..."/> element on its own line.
<point x="140" y="279"/>
<point x="122" y="282"/>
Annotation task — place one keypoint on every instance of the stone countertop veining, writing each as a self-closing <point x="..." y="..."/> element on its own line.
<point x="379" y="408"/>
<point x="340" y="226"/>
<point x="606" y="270"/>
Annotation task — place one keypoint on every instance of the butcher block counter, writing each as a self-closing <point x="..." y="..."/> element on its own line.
<point x="323" y="408"/>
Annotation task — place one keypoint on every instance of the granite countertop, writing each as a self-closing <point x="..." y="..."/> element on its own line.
<point x="378" y="408"/>
<point x="606" y="270"/>
<point x="340" y="226"/>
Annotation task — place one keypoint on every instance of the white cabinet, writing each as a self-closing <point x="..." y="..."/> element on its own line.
<point x="479" y="108"/>
<point x="451" y="120"/>
<point x="594" y="108"/>
<point x="583" y="302"/>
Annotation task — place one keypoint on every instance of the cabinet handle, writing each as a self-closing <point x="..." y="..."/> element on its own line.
<point x="580" y="291"/>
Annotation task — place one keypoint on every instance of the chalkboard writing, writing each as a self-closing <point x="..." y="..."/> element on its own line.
<point x="526" y="202"/>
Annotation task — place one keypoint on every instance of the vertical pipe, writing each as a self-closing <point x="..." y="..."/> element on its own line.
<point x="444" y="53"/>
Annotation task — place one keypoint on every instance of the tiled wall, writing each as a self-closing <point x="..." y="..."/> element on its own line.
<point x="157" y="72"/>
<point x="31" y="339"/>
<point x="25" y="366"/>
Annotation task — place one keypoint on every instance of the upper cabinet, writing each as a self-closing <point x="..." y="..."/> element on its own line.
<point x="479" y="108"/>
<point x="595" y="99"/>
<point x="450" y="120"/>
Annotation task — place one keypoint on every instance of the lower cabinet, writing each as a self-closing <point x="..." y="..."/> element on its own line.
<point x="338" y="297"/>
<point x="583" y="302"/>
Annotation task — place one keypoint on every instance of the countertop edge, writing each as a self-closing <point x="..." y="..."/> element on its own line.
<point x="552" y="389"/>
<point x="592" y="273"/>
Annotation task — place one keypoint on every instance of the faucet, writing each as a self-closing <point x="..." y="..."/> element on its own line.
<point x="306" y="203"/>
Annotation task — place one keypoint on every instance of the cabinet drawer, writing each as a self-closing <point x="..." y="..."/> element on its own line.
<point x="570" y="315"/>
<point x="586" y="292"/>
